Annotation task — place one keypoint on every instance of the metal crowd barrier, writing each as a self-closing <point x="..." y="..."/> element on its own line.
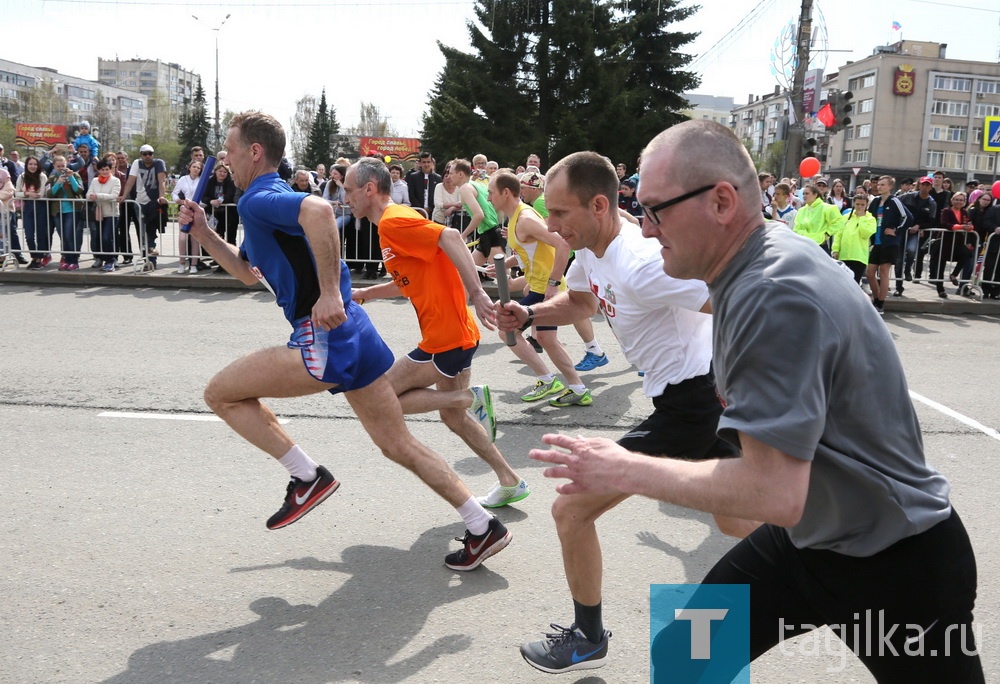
<point x="945" y="246"/>
<point x="77" y="237"/>
<point x="985" y="280"/>
<point x="74" y="222"/>
<point x="7" y="258"/>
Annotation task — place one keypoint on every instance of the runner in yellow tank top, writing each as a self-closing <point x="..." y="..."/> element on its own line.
<point x="544" y="257"/>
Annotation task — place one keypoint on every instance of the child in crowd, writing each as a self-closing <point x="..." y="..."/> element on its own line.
<point x="84" y="137"/>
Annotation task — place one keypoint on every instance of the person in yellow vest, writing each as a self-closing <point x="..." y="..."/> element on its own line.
<point x="850" y="243"/>
<point x="544" y="256"/>
<point x="817" y="220"/>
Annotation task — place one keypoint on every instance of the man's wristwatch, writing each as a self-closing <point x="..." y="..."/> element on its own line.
<point x="531" y="319"/>
<point x="554" y="283"/>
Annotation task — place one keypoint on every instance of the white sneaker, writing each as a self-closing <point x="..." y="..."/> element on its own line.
<point x="182" y="269"/>
<point x="501" y="496"/>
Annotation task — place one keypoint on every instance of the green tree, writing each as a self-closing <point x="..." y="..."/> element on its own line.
<point x="194" y="127"/>
<point x="484" y="102"/>
<point x="323" y="135"/>
<point x="555" y="77"/>
<point x="655" y="76"/>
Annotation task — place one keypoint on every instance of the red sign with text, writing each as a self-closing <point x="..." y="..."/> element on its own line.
<point x="39" y="135"/>
<point x="399" y="149"/>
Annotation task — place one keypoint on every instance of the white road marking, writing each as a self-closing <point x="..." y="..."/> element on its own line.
<point x="169" y="416"/>
<point x="956" y="415"/>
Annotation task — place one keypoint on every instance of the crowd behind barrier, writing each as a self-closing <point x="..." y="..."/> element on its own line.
<point x="77" y="222"/>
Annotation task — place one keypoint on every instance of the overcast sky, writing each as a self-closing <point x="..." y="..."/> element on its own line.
<point x="384" y="51"/>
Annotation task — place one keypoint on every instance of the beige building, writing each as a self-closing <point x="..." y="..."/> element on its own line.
<point x="915" y="112"/>
<point x="710" y="107"/>
<point x="123" y="111"/>
<point x="147" y="76"/>
<point x="762" y="121"/>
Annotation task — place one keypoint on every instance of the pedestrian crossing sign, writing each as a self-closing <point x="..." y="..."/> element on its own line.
<point x="991" y="137"/>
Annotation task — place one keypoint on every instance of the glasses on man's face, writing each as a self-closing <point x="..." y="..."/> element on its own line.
<point x="147" y="154"/>
<point x="650" y="212"/>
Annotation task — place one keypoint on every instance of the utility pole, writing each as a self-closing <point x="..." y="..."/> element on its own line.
<point x="218" y="130"/>
<point x="796" y="131"/>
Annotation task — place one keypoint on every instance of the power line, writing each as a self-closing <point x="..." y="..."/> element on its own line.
<point x="745" y="23"/>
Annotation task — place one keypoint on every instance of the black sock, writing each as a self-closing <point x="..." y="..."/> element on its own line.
<point x="588" y="620"/>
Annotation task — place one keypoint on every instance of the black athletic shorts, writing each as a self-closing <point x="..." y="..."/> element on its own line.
<point x="683" y="425"/>
<point x="883" y="254"/>
<point x="918" y="594"/>
<point x="490" y="239"/>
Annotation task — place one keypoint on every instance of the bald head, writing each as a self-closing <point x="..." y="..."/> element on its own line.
<point x="707" y="152"/>
<point x="701" y="194"/>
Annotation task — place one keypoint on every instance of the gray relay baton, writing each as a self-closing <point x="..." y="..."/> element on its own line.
<point x="504" y="289"/>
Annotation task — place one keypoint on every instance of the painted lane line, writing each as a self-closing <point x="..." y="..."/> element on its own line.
<point x="169" y="416"/>
<point x="956" y="415"/>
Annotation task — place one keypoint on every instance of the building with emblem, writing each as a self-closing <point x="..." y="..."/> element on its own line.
<point x="914" y="112"/>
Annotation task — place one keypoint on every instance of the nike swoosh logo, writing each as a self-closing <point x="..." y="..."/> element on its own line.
<point x="918" y="637"/>
<point x="476" y="549"/>
<point x="576" y="657"/>
<point x="299" y="500"/>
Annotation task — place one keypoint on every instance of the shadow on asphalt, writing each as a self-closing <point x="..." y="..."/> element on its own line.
<point x="355" y="634"/>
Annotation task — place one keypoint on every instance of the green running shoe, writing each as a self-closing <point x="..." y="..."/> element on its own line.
<point x="501" y="496"/>
<point x="571" y="398"/>
<point x="543" y="389"/>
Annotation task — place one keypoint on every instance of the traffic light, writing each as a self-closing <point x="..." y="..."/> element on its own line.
<point x="809" y="147"/>
<point x="840" y="108"/>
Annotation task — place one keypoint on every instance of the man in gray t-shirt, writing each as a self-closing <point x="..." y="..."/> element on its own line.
<point x="859" y="531"/>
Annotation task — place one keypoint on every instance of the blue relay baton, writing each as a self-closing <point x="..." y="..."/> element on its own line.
<point x="206" y="173"/>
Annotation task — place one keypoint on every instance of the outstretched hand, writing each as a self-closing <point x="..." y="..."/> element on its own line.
<point x="484" y="310"/>
<point x="593" y="465"/>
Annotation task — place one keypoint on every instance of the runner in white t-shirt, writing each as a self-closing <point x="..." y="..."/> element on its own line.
<point x="663" y="327"/>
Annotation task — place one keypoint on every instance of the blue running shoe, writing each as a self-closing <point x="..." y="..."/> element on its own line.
<point x="591" y="361"/>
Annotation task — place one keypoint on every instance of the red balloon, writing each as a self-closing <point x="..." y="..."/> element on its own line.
<point x="809" y="167"/>
<point x="995" y="190"/>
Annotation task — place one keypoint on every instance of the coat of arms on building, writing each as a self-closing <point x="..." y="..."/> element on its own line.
<point x="904" y="81"/>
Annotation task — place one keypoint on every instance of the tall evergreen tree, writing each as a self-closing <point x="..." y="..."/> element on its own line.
<point x="655" y="79"/>
<point x="321" y="144"/>
<point x="553" y="77"/>
<point x="194" y="127"/>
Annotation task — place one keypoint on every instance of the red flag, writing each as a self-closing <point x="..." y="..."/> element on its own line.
<point x="825" y="115"/>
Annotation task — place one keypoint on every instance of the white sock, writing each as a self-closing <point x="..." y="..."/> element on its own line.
<point x="298" y="463"/>
<point x="579" y="389"/>
<point x="476" y="519"/>
<point x="547" y="378"/>
<point x="594" y="348"/>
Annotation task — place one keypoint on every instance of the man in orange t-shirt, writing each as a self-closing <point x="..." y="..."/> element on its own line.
<point x="430" y="265"/>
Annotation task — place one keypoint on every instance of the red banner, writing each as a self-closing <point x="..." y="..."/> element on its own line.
<point x="39" y="135"/>
<point x="397" y="149"/>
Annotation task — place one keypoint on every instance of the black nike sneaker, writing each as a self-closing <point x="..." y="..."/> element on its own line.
<point x="301" y="497"/>
<point x="565" y="650"/>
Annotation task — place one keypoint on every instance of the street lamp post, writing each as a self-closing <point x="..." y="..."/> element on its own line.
<point x="218" y="130"/>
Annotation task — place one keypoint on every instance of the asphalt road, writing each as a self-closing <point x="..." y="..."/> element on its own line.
<point x="133" y="549"/>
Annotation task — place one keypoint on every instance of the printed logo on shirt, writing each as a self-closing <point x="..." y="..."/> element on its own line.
<point x="605" y="302"/>
<point x="387" y="254"/>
